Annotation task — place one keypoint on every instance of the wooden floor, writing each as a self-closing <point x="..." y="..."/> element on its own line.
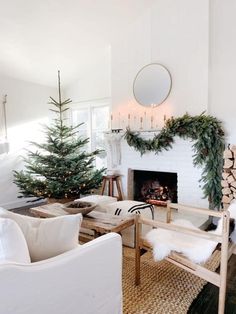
<point x="207" y="300"/>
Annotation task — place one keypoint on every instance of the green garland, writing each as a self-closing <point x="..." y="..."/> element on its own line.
<point x="208" y="148"/>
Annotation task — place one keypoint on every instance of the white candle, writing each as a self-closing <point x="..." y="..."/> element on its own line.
<point x="151" y="122"/>
<point x="141" y="123"/>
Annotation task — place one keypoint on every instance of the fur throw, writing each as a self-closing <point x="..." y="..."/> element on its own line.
<point x="164" y="241"/>
<point x="196" y="249"/>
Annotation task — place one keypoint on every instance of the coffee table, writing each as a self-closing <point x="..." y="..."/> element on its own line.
<point x="99" y="222"/>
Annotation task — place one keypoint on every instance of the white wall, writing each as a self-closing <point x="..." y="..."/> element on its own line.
<point x="174" y="33"/>
<point x="222" y="69"/>
<point x="27" y="107"/>
<point x="128" y="54"/>
<point x="94" y="82"/>
<point x="180" y="41"/>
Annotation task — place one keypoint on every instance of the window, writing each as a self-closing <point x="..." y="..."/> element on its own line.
<point x="95" y="118"/>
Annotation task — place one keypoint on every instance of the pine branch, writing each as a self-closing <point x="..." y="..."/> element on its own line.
<point x="208" y="148"/>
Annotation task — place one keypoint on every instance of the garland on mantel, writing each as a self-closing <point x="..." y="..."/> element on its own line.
<point x="208" y="148"/>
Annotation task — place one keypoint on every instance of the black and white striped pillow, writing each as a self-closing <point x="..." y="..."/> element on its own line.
<point x="134" y="208"/>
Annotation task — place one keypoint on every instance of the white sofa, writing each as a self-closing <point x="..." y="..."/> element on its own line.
<point x="85" y="280"/>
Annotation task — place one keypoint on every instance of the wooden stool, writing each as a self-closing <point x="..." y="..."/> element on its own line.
<point x="111" y="179"/>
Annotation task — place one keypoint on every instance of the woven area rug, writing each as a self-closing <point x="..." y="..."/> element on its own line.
<point x="164" y="288"/>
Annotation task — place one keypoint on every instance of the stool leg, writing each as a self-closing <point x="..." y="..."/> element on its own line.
<point x="119" y="189"/>
<point x="110" y="187"/>
<point x="103" y="186"/>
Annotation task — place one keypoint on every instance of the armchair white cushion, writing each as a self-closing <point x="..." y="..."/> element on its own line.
<point x="85" y="280"/>
<point x="13" y="246"/>
<point x="47" y="237"/>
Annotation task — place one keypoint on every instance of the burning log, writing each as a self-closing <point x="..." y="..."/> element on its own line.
<point x="157" y="202"/>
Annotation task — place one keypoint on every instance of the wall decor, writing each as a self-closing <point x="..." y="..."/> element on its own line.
<point x="152" y="85"/>
<point x="209" y="143"/>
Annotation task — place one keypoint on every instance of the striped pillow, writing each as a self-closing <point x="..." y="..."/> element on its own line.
<point x="124" y="208"/>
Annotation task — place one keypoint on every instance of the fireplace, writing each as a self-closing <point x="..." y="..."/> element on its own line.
<point x="153" y="187"/>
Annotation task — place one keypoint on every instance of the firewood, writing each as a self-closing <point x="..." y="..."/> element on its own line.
<point x="230" y="179"/>
<point x="224" y="184"/>
<point x="233" y="184"/>
<point x="226" y="191"/>
<point x="233" y="189"/>
<point x="226" y="199"/>
<point x="233" y="173"/>
<point x="228" y="163"/>
<point x="233" y="149"/>
<point x="228" y="154"/>
<point x="225" y="174"/>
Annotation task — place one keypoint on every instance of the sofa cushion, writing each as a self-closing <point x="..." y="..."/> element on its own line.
<point x="100" y="200"/>
<point x="47" y="237"/>
<point x="13" y="247"/>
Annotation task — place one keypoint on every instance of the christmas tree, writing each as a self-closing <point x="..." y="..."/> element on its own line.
<point x="60" y="167"/>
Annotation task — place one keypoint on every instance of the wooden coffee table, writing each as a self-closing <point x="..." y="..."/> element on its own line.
<point x="99" y="222"/>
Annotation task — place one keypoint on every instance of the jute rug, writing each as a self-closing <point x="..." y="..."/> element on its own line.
<point x="164" y="287"/>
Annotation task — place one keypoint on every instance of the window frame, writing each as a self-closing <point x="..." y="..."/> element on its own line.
<point x="90" y="105"/>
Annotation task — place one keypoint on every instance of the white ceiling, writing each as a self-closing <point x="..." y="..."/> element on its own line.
<point x="37" y="37"/>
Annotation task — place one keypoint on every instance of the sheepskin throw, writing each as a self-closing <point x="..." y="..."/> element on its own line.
<point x="196" y="249"/>
<point x="164" y="241"/>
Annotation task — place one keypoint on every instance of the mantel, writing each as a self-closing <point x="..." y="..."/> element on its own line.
<point x="122" y="131"/>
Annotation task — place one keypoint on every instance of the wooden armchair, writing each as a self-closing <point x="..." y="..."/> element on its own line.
<point x="227" y="249"/>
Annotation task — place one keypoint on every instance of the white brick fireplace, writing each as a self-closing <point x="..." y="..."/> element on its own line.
<point x="178" y="160"/>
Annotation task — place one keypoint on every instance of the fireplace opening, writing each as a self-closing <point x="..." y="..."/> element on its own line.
<point x="155" y="187"/>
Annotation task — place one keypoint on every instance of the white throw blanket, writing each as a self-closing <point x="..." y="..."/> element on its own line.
<point x="196" y="249"/>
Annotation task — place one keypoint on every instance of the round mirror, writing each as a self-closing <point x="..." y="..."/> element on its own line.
<point x="152" y="85"/>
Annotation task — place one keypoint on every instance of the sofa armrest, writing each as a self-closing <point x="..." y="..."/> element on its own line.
<point x="84" y="280"/>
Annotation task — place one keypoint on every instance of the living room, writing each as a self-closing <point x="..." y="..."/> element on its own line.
<point x="99" y="48"/>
